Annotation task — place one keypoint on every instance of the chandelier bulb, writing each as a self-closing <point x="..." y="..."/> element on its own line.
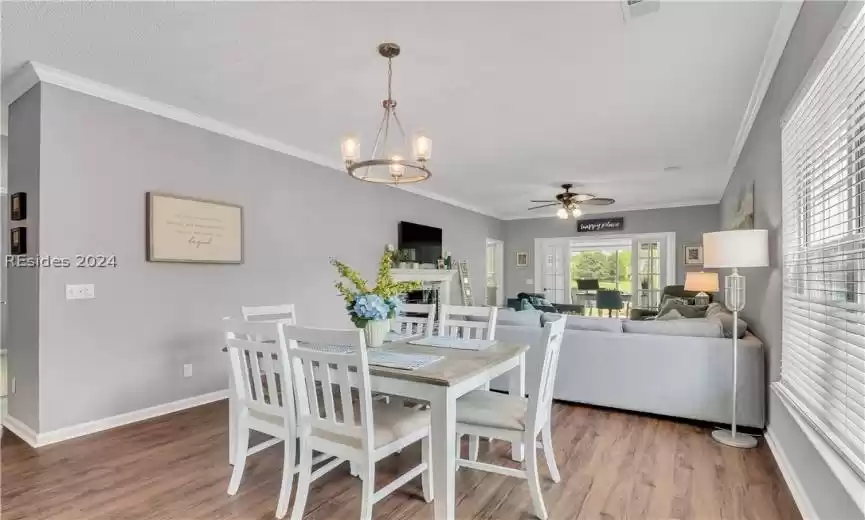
<point x="562" y="213"/>
<point x="350" y="149"/>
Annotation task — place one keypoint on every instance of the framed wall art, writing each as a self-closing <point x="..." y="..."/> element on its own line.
<point x="186" y="229"/>
<point x="693" y="255"/>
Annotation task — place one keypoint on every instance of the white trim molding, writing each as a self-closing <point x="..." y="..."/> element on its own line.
<point x="789" y="12"/>
<point x="797" y="490"/>
<point x="37" y="440"/>
<point x="20" y="429"/>
<point x="32" y="73"/>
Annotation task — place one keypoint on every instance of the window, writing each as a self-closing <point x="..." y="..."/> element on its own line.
<point x="823" y="238"/>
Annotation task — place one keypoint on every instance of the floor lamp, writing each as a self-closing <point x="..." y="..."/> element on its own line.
<point x="735" y="249"/>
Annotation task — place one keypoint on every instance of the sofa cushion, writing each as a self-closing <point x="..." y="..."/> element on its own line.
<point x="671" y="314"/>
<point x="717" y="312"/>
<point x="697" y="327"/>
<point x="574" y="322"/>
<point x="529" y="318"/>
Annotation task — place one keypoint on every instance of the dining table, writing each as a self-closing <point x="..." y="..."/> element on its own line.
<point x="440" y="384"/>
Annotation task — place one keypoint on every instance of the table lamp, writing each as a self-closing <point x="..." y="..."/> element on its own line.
<point x="735" y="249"/>
<point x="701" y="283"/>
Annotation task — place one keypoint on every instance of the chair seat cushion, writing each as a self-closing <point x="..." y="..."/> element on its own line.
<point x="391" y="422"/>
<point x="484" y="408"/>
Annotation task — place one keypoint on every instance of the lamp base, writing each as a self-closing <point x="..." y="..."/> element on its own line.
<point x="701" y="298"/>
<point x="741" y="440"/>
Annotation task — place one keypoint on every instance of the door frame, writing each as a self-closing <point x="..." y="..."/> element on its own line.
<point x="666" y="237"/>
<point x="499" y="261"/>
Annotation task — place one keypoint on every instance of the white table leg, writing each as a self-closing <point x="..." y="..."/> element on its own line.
<point x="232" y="420"/>
<point x="517" y="386"/>
<point x="443" y="437"/>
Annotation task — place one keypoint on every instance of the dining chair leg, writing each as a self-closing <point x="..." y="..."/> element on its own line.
<point x="367" y="474"/>
<point x="534" y="481"/>
<point x="303" y="480"/>
<point x="241" y="446"/>
<point x="426" y="479"/>
<point x="549" y="454"/>
<point x="287" y="478"/>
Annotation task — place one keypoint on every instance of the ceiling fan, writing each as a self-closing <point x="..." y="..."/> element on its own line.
<point x="570" y="202"/>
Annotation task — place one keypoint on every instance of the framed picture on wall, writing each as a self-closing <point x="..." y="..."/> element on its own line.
<point x="693" y="255"/>
<point x="185" y="229"/>
<point x="522" y="259"/>
<point x="18" y="241"/>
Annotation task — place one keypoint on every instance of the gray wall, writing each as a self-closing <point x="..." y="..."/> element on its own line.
<point x="689" y="224"/>
<point x="760" y="163"/>
<point x="124" y="350"/>
<point x="22" y="336"/>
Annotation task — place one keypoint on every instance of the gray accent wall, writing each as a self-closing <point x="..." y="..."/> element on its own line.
<point x="125" y="349"/>
<point x="689" y="223"/>
<point x="22" y="323"/>
<point x="760" y="163"/>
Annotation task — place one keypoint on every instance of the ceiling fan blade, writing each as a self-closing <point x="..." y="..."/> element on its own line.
<point x="598" y="201"/>
<point x="542" y="201"/>
<point x="544" y="206"/>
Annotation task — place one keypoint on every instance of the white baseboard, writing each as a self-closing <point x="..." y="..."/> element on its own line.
<point x="79" y="430"/>
<point x="806" y="509"/>
<point x="20" y="429"/>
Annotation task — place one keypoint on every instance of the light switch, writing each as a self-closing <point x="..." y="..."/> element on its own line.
<point x="530" y="281"/>
<point x="80" y="292"/>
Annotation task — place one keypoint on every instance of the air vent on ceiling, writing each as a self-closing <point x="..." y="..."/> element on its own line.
<point x="635" y="8"/>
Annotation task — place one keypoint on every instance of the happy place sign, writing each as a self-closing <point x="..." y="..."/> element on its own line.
<point x="591" y="225"/>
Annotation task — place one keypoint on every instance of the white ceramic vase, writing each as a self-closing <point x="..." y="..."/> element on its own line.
<point x="375" y="332"/>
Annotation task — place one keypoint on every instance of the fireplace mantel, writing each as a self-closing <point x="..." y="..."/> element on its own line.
<point x="442" y="276"/>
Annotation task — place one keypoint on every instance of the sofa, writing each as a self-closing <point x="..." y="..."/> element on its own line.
<point x="677" y="368"/>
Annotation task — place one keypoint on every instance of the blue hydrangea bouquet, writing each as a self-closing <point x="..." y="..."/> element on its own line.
<point x="372" y="308"/>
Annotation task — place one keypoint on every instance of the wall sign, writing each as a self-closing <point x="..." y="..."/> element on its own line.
<point x="591" y="225"/>
<point x="183" y="229"/>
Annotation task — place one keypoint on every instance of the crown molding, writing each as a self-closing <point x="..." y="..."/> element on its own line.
<point x="32" y="73"/>
<point x="789" y="12"/>
<point x="623" y="209"/>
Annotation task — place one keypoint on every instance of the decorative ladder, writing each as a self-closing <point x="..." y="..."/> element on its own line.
<point x="465" y="283"/>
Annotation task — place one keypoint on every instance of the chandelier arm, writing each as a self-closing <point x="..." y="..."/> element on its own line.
<point x="405" y="142"/>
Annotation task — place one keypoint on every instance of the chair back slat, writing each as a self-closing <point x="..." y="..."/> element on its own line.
<point x="452" y="325"/>
<point x="330" y="358"/>
<point x="270" y="313"/>
<point x="541" y="400"/>
<point x="259" y="368"/>
<point x="415" y="325"/>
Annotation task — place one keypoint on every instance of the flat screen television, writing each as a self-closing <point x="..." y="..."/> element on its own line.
<point x="424" y="241"/>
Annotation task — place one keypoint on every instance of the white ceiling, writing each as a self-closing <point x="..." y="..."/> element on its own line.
<point x="518" y="97"/>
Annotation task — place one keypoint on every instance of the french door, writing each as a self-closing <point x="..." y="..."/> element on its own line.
<point x="653" y="266"/>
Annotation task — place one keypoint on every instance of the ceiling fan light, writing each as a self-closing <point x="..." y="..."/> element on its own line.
<point x="576" y="212"/>
<point x="562" y="213"/>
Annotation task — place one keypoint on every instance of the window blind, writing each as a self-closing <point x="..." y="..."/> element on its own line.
<point x="823" y="242"/>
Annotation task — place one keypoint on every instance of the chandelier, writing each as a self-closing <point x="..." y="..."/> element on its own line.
<point x="388" y="163"/>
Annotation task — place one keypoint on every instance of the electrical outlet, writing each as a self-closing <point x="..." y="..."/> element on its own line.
<point x="187" y="370"/>
<point x="80" y="292"/>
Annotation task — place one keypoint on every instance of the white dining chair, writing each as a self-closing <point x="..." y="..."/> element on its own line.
<point x="469" y="322"/>
<point x="264" y="393"/>
<point x="517" y="419"/>
<point x="415" y="325"/>
<point x="360" y="430"/>
<point x="270" y="313"/>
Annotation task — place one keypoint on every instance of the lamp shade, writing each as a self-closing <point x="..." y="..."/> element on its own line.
<point x="701" y="282"/>
<point x="736" y="248"/>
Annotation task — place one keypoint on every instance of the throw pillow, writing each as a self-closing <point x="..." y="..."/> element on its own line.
<point x="672" y="314"/>
<point x="680" y="305"/>
<point x="539" y="302"/>
<point x="525" y="305"/>
<point x="718" y="313"/>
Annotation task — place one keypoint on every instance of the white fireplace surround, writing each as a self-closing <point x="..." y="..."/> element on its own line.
<point x="443" y="276"/>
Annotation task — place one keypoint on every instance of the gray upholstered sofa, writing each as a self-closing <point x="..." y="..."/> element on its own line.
<point x="678" y="368"/>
